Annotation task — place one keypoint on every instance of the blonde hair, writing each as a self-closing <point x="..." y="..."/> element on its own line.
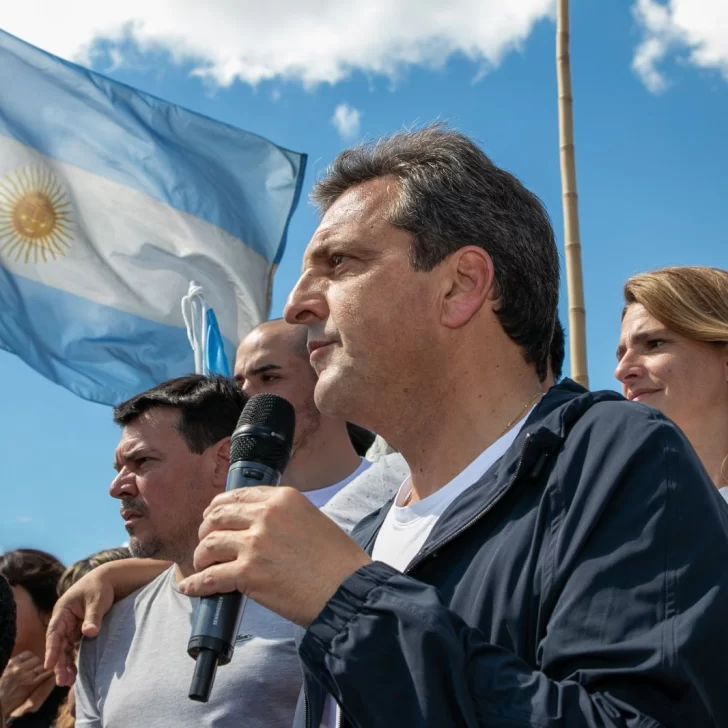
<point x="64" y="719"/>
<point x="692" y="301"/>
<point x="80" y="568"/>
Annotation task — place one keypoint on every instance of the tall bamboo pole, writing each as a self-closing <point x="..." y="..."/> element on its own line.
<point x="572" y="243"/>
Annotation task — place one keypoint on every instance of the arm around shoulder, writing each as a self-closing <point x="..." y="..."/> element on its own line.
<point x="81" y="609"/>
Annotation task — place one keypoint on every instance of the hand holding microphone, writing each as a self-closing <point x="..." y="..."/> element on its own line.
<point x="273" y="546"/>
<point x="259" y="453"/>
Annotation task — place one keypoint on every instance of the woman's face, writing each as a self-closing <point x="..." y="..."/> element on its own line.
<point x="683" y="378"/>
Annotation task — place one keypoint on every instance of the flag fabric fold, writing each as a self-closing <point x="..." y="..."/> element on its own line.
<point x="203" y="333"/>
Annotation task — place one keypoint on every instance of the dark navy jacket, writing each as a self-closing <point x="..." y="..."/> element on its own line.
<point x="581" y="582"/>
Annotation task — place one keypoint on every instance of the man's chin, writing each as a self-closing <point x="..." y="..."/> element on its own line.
<point x="334" y="396"/>
<point x="327" y="394"/>
<point x="142" y="549"/>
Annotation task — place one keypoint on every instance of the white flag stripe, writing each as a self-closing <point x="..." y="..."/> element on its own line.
<point x="144" y="249"/>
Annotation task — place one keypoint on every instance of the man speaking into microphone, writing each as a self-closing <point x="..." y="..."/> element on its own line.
<point x="553" y="560"/>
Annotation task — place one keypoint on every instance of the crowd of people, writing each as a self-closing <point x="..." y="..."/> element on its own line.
<point x="509" y="549"/>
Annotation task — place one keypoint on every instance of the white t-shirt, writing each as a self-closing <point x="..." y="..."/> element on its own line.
<point x="405" y="529"/>
<point x="724" y="492"/>
<point x="322" y="496"/>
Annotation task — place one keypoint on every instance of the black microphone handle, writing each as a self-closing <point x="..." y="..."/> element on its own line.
<point x="217" y="618"/>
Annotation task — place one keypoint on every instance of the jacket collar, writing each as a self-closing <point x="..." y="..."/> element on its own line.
<point x="540" y="438"/>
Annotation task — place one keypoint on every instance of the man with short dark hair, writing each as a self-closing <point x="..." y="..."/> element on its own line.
<point x="554" y="559"/>
<point x="172" y="458"/>
<point x="175" y="441"/>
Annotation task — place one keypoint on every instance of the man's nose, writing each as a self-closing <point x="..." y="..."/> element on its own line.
<point x="123" y="485"/>
<point x="307" y="301"/>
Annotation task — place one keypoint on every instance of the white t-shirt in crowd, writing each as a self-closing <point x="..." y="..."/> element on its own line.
<point x="406" y="528"/>
<point x="724" y="492"/>
<point x="322" y="496"/>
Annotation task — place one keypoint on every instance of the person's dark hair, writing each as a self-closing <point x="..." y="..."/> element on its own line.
<point x="557" y="353"/>
<point x="209" y="407"/>
<point x="36" y="571"/>
<point x="451" y="195"/>
<point x="7" y="624"/>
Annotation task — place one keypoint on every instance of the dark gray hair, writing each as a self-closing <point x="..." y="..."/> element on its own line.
<point x="450" y="196"/>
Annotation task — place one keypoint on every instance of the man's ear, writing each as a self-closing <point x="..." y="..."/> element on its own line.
<point x="221" y="465"/>
<point x="469" y="282"/>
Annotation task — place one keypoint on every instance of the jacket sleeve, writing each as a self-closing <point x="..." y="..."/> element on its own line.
<point x="634" y="601"/>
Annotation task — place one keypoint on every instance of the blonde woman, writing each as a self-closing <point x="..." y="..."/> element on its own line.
<point x="673" y="355"/>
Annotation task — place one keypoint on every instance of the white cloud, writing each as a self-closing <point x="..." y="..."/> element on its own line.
<point x="311" y="41"/>
<point x="347" y="121"/>
<point x="694" y="29"/>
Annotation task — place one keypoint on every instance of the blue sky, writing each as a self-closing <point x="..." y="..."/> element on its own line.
<point x="650" y="85"/>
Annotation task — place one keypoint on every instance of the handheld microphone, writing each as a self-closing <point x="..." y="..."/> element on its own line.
<point x="259" y="453"/>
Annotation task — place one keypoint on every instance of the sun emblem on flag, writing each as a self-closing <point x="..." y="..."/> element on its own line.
<point x="35" y="215"/>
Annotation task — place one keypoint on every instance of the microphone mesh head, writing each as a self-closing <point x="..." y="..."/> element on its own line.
<point x="7" y="622"/>
<point x="270" y="422"/>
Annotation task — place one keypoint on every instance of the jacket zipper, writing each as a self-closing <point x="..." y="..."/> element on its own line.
<point x="423" y="556"/>
<point x="306" y="724"/>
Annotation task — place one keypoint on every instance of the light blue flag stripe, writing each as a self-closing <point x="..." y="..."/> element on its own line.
<point x="91" y="355"/>
<point x="216" y="358"/>
<point x="82" y="118"/>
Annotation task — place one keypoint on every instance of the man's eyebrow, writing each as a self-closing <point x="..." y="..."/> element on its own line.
<point x="323" y="249"/>
<point x="317" y="251"/>
<point x="132" y="454"/>
<point x="264" y="368"/>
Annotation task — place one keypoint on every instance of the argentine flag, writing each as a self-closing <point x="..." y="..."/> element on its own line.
<point x="111" y="202"/>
